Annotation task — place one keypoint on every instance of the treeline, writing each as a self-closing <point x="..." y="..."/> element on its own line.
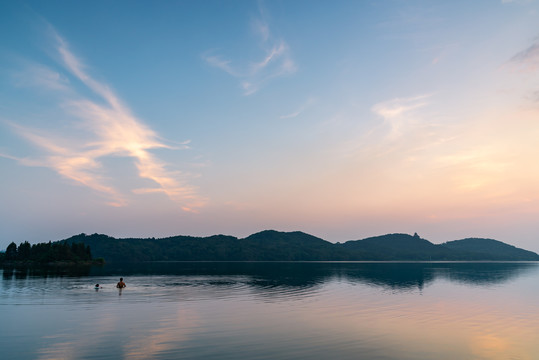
<point x="272" y="245"/>
<point x="267" y="245"/>
<point x="47" y="252"/>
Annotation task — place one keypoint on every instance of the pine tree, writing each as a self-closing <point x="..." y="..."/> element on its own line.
<point x="24" y="251"/>
<point x="11" y="251"/>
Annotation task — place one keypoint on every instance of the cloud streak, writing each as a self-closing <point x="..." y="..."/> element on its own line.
<point x="527" y="59"/>
<point x="300" y="110"/>
<point x="110" y="130"/>
<point x="396" y="112"/>
<point x="397" y="107"/>
<point x="276" y="60"/>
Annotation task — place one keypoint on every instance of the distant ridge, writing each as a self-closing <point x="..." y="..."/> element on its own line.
<point x="399" y="247"/>
<point x="489" y="247"/>
<point x="271" y="245"/>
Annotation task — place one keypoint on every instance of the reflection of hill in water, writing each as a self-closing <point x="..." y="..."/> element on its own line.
<point x="299" y="276"/>
<point x="411" y="275"/>
<point x="483" y="273"/>
<point x="389" y="275"/>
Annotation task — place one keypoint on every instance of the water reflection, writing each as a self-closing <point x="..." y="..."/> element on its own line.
<point x="284" y="276"/>
<point x="22" y="272"/>
<point x="7" y="273"/>
<point x="483" y="273"/>
<point x="303" y="275"/>
<point x="273" y="310"/>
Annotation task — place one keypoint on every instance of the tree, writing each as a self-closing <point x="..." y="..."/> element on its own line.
<point x="88" y="253"/>
<point x="24" y="251"/>
<point x="81" y="252"/>
<point x="11" y="251"/>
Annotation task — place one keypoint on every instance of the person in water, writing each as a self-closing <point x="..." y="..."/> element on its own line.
<point x="96" y="286"/>
<point x="121" y="284"/>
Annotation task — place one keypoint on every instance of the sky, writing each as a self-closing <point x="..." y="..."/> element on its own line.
<point x="342" y="119"/>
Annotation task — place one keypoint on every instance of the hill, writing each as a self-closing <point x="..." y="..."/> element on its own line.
<point x="490" y="249"/>
<point x="267" y="245"/>
<point x="271" y="245"/>
<point x="398" y="247"/>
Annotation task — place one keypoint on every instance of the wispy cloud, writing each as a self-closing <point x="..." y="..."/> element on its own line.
<point x="110" y="129"/>
<point x="402" y="128"/>
<point x="218" y="62"/>
<point x="397" y="107"/>
<point x="300" y="110"/>
<point x="527" y="59"/>
<point x="275" y="61"/>
<point x="440" y="52"/>
<point x="396" y="112"/>
<point x="43" y="77"/>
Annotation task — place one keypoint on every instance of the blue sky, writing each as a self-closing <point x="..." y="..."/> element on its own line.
<point x="342" y="119"/>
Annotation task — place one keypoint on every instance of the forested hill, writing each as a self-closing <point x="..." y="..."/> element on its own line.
<point x="263" y="246"/>
<point x="273" y="245"/>
<point x="490" y="247"/>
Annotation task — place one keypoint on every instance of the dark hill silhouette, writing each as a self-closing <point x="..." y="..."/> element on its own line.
<point x="399" y="247"/>
<point x="267" y="245"/>
<point x="491" y="249"/>
<point x="270" y="245"/>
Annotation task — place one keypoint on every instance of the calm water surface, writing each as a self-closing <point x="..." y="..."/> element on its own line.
<point x="273" y="311"/>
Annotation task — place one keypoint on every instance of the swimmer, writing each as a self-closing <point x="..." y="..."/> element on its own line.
<point x="121" y="284"/>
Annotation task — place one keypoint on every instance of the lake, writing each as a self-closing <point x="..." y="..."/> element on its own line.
<point x="328" y="310"/>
